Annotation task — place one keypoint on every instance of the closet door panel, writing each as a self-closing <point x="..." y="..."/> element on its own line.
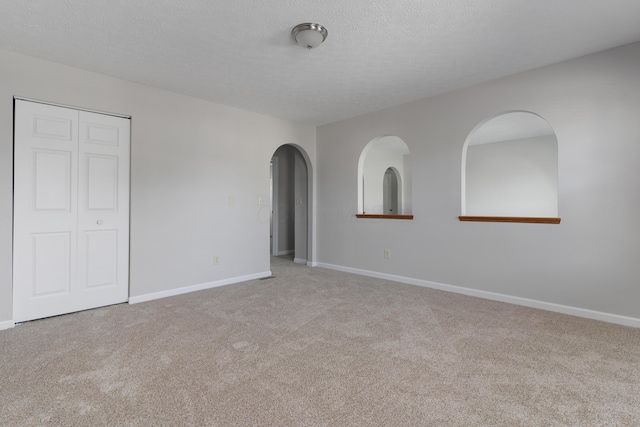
<point x="71" y="210"/>
<point x="45" y="210"/>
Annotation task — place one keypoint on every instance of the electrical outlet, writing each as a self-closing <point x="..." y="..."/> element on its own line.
<point x="232" y="200"/>
<point x="387" y="254"/>
<point x="299" y="201"/>
<point x="216" y="260"/>
<point x="260" y="200"/>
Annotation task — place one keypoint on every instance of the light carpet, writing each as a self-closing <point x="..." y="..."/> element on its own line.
<point x="313" y="347"/>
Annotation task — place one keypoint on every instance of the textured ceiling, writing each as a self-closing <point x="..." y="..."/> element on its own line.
<point x="378" y="53"/>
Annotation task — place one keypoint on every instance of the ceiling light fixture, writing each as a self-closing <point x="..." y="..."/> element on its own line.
<point x="309" y="35"/>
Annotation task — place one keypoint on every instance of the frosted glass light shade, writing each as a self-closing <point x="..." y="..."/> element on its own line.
<point x="309" y="39"/>
<point x="309" y="35"/>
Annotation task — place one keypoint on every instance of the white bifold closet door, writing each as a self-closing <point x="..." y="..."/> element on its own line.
<point x="71" y="210"/>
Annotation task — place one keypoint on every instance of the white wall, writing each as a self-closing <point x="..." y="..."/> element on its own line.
<point x="188" y="157"/>
<point x="589" y="261"/>
<point x="513" y="178"/>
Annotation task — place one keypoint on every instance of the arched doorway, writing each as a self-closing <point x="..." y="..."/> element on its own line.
<point x="391" y="192"/>
<point x="290" y="204"/>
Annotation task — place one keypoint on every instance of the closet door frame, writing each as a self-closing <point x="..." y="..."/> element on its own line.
<point x="71" y="209"/>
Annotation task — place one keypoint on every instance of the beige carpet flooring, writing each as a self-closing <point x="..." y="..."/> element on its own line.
<point x="313" y="347"/>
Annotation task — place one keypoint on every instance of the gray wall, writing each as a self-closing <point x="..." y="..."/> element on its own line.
<point x="589" y="261"/>
<point x="292" y="218"/>
<point x="188" y="157"/>
<point x="285" y="199"/>
<point x="513" y="178"/>
<point x="376" y="163"/>
<point x="301" y="200"/>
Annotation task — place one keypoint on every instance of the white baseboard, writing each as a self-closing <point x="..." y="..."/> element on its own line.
<point x="558" y="308"/>
<point x="300" y="261"/>
<point x="289" y="252"/>
<point x="7" y="324"/>
<point x="200" y="287"/>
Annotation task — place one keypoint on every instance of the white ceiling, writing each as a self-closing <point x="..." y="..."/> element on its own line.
<point x="378" y="53"/>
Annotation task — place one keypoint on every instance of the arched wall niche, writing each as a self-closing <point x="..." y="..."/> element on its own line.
<point x="510" y="170"/>
<point x="377" y="157"/>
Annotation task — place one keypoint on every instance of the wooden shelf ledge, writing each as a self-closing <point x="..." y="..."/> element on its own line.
<point x="530" y="220"/>
<point x="381" y="216"/>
